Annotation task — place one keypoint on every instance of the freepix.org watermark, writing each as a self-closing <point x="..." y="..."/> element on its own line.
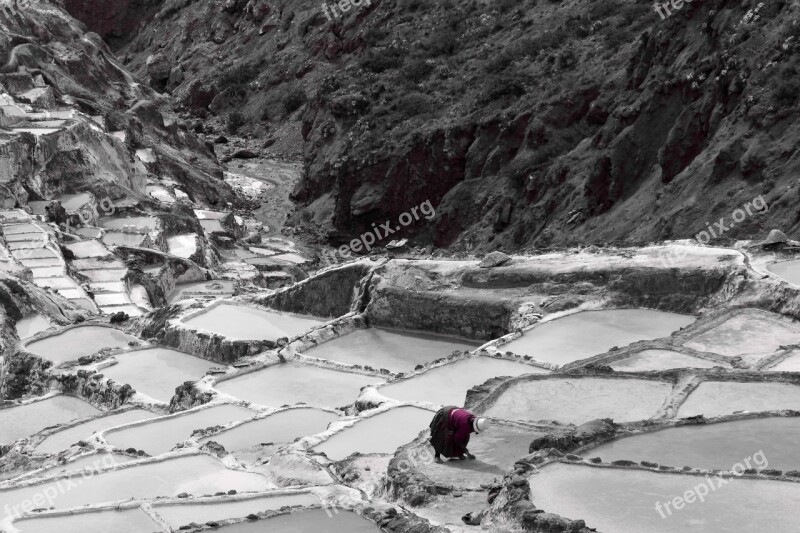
<point x="379" y="232"/>
<point x="699" y="492"/>
<point x="50" y="492"/>
<point x="663" y="7"/>
<point x="344" y="6"/>
<point x="757" y="206"/>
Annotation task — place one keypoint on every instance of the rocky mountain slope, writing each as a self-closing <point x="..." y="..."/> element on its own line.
<point x="525" y="123"/>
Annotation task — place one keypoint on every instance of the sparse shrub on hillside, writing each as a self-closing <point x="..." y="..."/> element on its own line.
<point x="235" y="121"/>
<point x="415" y="103"/>
<point x="567" y="59"/>
<point x="239" y="74"/>
<point x="502" y="86"/>
<point x="444" y="43"/>
<point x="294" y="98"/>
<point x="417" y="71"/>
<point x="383" y="60"/>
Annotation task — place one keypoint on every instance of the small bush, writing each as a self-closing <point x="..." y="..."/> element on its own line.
<point x="415" y="103"/>
<point x="235" y="121"/>
<point x="293" y="100"/>
<point x="444" y="43"/>
<point x="417" y="70"/>
<point x="380" y="61"/>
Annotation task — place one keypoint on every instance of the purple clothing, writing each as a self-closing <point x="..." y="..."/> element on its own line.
<point x="461" y="425"/>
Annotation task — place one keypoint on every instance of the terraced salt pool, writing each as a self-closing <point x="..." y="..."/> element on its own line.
<point x="117" y="238"/>
<point x="716" y="398"/>
<point x="288" y="384"/>
<point x="750" y="332"/>
<point x="579" y="400"/>
<point x="394" y="350"/>
<point x="557" y="342"/>
<point x="246" y="323"/>
<point x="317" y="521"/>
<point x="215" y="288"/>
<point x="201" y="513"/>
<point x="65" y="438"/>
<point x="124" y="521"/>
<point x="161" y="435"/>
<point x="143" y="224"/>
<point x="80" y="341"/>
<point x="193" y="474"/>
<point x="282" y="427"/>
<point x="790" y="364"/>
<point x="788" y="270"/>
<point x="156" y="372"/>
<point x="382" y="433"/>
<point x="448" y="384"/>
<point x="31" y="325"/>
<point x="712" y="446"/>
<point x="661" y="360"/>
<point x="24" y="420"/>
<point x="624" y="501"/>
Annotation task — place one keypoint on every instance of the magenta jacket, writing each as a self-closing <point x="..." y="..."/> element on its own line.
<point x="461" y="424"/>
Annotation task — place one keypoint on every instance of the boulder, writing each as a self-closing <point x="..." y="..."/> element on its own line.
<point x="244" y="153"/>
<point x="776" y="236"/>
<point x="495" y="259"/>
<point x="158" y="67"/>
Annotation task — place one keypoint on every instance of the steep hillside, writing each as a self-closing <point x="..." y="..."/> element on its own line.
<point x="525" y="124"/>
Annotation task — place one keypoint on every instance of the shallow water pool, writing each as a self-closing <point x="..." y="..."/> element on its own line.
<point x="201" y="513"/>
<point x="161" y="435"/>
<point x="394" y="350"/>
<point x="712" y="446"/>
<point x="788" y="270"/>
<point x="65" y="438"/>
<point x="624" y="501"/>
<point x="382" y="433"/>
<point x="661" y="360"/>
<point x="24" y="420"/>
<point x="281" y="427"/>
<point x="716" y="398"/>
<point x="751" y="332"/>
<point x="128" y="521"/>
<point x="156" y="372"/>
<point x="448" y="384"/>
<point x="317" y="521"/>
<point x="246" y="323"/>
<point x="80" y="341"/>
<point x="288" y="384"/>
<point x="579" y="400"/>
<point x="194" y="474"/>
<point x="589" y="333"/>
<point x="31" y="325"/>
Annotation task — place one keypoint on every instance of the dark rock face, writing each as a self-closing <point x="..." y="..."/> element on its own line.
<point x="525" y="147"/>
<point x="96" y="390"/>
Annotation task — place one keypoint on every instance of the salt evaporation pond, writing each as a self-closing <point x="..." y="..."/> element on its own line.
<point x="579" y="400"/>
<point x="281" y="427"/>
<point x="31" y="325"/>
<point x="317" y="521"/>
<point x="194" y="474"/>
<point x="716" y="398"/>
<point x="712" y="446"/>
<point x="246" y="323"/>
<point x="624" y="501"/>
<point x="790" y="364"/>
<point x="448" y="384"/>
<point x="65" y="438"/>
<point x="94" y="461"/>
<point x="290" y="384"/>
<point x="201" y="513"/>
<point x="80" y="341"/>
<point x="589" y="333"/>
<point x="751" y="332"/>
<point x="141" y="223"/>
<point x="382" y="433"/>
<point x="24" y="420"/>
<point x="128" y="521"/>
<point x="156" y="372"/>
<point x="661" y="360"/>
<point x="215" y="288"/>
<point x="394" y="350"/>
<point x="788" y="270"/>
<point x="160" y="436"/>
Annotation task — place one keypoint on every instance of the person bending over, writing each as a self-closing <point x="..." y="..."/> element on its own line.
<point x="451" y="428"/>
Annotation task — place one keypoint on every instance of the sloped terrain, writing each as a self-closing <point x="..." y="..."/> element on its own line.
<point x="525" y="124"/>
